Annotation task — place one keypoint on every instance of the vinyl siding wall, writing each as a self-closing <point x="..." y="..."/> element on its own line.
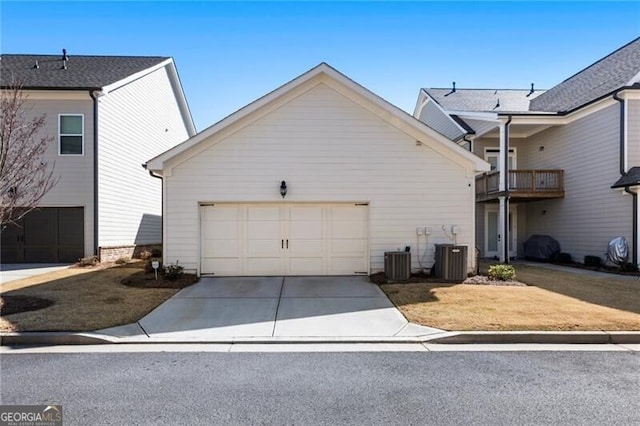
<point x="75" y="172"/>
<point x="592" y="213"/>
<point x="328" y="149"/>
<point x="633" y="133"/>
<point x="433" y="117"/>
<point x="137" y="121"/>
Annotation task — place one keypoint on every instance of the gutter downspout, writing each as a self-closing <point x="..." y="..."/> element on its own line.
<point x="144" y="166"/>
<point x="95" y="94"/>
<point x="623" y="171"/>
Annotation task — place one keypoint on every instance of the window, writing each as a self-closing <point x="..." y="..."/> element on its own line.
<point x="71" y="128"/>
<point x="492" y="155"/>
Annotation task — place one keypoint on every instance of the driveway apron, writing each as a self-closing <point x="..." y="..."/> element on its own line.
<point x="275" y="307"/>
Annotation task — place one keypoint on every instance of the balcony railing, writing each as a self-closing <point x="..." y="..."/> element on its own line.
<point x="524" y="185"/>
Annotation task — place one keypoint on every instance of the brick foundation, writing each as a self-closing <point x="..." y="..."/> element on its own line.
<point x="111" y="254"/>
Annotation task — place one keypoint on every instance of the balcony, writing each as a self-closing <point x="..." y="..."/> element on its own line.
<point x="524" y="185"/>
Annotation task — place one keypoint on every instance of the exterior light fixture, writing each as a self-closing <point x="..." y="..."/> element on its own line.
<point x="283" y="189"/>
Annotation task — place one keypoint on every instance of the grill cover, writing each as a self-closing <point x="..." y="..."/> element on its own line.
<point x="618" y="250"/>
<point x="541" y="248"/>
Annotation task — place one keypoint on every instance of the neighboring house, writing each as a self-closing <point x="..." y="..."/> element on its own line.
<point x="107" y="115"/>
<point x="318" y="177"/>
<point x="564" y="160"/>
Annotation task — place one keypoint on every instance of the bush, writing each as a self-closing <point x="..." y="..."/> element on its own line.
<point x="149" y="268"/>
<point x="145" y="254"/>
<point x="595" y="261"/>
<point x="122" y="260"/>
<point x="502" y="272"/>
<point x="156" y="252"/>
<point x="173" y="272"/>
<point x="88" y="261"/>
<point x="564" y="258"/>
<point x="628" y="267"/>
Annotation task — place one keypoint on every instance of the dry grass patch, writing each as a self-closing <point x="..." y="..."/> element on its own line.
<point x="84" y="300"/>
<point x="558" y="301"/>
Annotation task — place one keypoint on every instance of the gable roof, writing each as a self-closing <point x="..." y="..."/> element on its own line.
<point x="617" y="70"/>
<point x="483" y="100"/>
<point x="82" y="72"/>
<point x="385" y="110"/>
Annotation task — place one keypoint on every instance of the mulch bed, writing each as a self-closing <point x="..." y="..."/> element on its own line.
<point x="16" y="304"/>
<point x="380" y="278"/>
<point x="147" y="280"/>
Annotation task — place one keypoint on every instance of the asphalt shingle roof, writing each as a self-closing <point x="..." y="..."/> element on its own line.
<point x="603" y="77"/>
<point x="83" y="72"/>
<point x="632" y="178"/>
<point x="483" y="100"/>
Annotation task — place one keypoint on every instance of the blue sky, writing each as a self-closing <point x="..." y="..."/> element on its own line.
<point x="229" y="54"/>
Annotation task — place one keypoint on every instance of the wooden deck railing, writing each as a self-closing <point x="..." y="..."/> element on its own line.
<point x="523" y="183"/>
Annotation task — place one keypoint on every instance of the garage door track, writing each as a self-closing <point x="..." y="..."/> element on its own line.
<point x="287" y="307"/>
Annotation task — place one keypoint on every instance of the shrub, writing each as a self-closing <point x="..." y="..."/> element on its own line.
<point x="595" y="261"/>
<point x="149" y="268"/>
<point x="173" y="272"/>
<point x="502" y="272"/>
<point x="628" y="267"/>
<point x="145" y="254"/>
<point x="156" y="252"/>
<point x="88" y="261"/>
<point x="564" y="258"/>
<point x="122" y="260"/>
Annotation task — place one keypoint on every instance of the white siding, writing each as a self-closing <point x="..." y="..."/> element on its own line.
<point x="75" y="172"/>
<point x="633" y="133"/>
<point x="328" y="149"/>
<point x="592" y="213"/>
<point x="136" y="122"/>
<point x="433" y="117"/>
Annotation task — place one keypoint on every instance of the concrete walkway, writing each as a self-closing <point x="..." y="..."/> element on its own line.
<point x="577" y="271"/>
<point x="18" y="271"/>
<point x="274" y="307"/>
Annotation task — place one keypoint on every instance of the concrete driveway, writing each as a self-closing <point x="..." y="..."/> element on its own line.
<point x="244" y="307"/>
<point x="18" y="271"/>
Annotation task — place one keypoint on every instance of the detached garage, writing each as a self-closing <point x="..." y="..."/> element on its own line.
<point x="319" y="177"/>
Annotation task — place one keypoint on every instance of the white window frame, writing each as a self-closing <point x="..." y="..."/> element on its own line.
<point x="69" y="134"/>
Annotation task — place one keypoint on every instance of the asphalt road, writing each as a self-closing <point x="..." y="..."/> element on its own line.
<point x="594" y="388"/>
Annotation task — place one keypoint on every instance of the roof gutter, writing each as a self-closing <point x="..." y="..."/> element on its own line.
<point x="623" y="172"/>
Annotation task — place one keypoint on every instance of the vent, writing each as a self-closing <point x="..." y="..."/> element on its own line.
<point x="397" y="265"/>
<point x="451" y="262"/>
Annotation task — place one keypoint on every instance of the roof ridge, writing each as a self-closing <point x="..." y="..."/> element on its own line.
<point x="488" y="89"/>
<point x="599" y="60"/>
<point x="84" y="56"/>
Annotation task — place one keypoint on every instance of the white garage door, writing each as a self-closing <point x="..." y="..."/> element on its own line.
<point x="284" y="239"/>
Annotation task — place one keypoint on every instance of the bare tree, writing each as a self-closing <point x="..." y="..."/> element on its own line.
<point x="25" y="175"/>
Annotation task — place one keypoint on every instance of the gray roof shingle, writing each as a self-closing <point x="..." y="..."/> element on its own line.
<point x="83" y="72"/>
<point x="483" y="100"/>
<point x="602" y="78"/>
<point x="631" y="178"/>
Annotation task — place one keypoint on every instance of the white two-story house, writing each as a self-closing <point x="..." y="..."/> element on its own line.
<point x="106" y="115"/>
<point x="566" y="161"/>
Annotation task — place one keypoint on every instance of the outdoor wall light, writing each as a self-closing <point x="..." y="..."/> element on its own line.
<point x="283" y="189"/>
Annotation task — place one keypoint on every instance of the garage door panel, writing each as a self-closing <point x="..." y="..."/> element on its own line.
<point x="284" y="239"/>
<point x="347" y="265"/>
<point x="305" y="248"/>
<point x="264" y="248"/>
<point x="345" y="246"/>
<point x="263" y="266"/>
<point x="222" y="266"/>
<point x="220" y="248"/>
<point x="347" y="230"/>
<point x="305" y="266"/>
<point x="305" y="230"/>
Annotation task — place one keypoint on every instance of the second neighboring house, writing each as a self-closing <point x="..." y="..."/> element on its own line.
<point x="106" y="115"/>
<point x="565" y="162"/>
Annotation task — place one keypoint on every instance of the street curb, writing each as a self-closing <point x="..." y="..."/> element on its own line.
<point x="541" y="337"/>
<point x="464" y="337"/>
